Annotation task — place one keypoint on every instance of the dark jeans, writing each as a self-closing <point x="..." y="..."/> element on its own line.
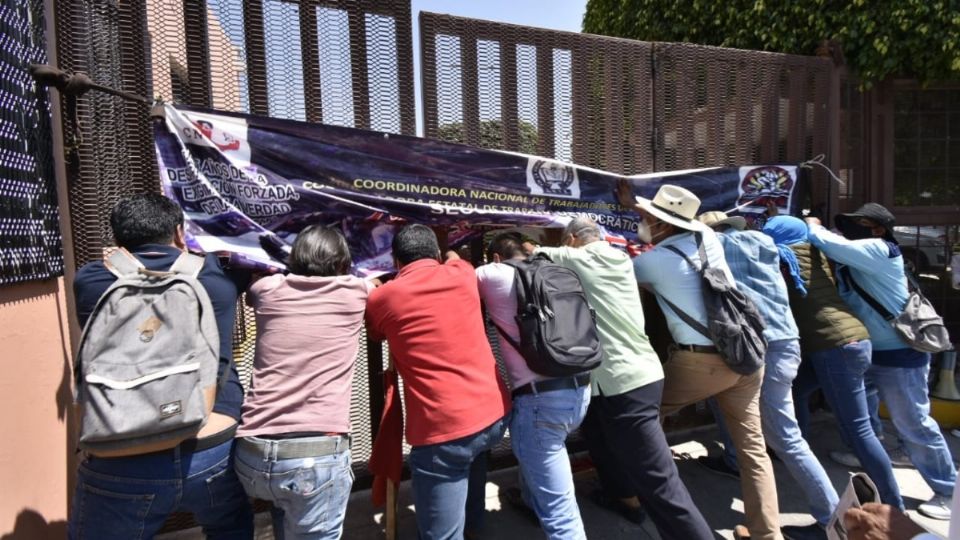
<point x="442" y="474"/>
<point x="131" y="497"/>
<point x="630" y="452"/>
<point x="840" y="373"/>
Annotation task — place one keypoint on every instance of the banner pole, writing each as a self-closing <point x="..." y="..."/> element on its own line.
<point x="390" y="519"/>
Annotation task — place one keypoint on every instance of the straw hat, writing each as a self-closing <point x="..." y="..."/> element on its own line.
<point x="716" y="219"/>
<point x="674" y="205"/>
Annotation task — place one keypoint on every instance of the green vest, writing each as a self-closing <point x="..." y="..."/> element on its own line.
<point x="824" y="319"/>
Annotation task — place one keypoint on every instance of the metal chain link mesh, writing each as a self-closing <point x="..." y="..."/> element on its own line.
<point x="108" y="140"/>
<point x="30" y="242"/>
<point x="575" y="97"/>
<point x="723" y="107"/>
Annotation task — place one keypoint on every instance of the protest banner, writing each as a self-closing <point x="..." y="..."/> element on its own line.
<point x="249" y="184"/>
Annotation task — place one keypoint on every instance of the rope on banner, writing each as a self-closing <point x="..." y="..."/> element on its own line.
<point x="818" y="161"/>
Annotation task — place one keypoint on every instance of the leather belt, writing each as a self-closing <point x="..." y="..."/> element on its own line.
<point x="549" y="385"/>
<point x="185" y="447"/>
<point x="277" y="449"/>
<point x="206" y="443"/>
<point x="706" y="349"/>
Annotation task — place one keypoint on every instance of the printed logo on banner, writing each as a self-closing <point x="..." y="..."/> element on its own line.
<point x="552" y="178"/>
<point x="762" y="185"/>
<point x="223" y="140"/>
<point x="228" y="135"/>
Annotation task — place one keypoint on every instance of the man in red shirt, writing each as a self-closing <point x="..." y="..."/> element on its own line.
<point x="456" y="402"/>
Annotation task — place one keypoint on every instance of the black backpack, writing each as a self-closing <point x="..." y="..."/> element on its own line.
<point x="558" y="331"/>
<point x="734" y="324"/>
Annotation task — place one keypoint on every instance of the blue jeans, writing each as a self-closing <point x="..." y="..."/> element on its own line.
<point x="309" y="495"/>
<point x="904" y="391"/>
<point x="538" y="434"/>
<point x="840" y="373"/>
<point x="440" y="474"/>
<point x="781" y="431"/>
<point x="131" y="497"/>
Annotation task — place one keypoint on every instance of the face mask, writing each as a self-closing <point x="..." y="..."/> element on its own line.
<point x="660" y="235"/>
<point x="643" y="233"/>
<point x="856" y="231"/>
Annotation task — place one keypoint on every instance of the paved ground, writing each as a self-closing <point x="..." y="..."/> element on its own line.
<point x="716" y="496"/>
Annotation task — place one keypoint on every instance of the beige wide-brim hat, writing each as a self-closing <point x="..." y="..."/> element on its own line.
<point x="675" y="205"/>
<point x="716" y="219"/>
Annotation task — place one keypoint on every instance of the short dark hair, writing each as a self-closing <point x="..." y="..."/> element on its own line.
<point x="145" y="218"/>
<point x="506" y="245"/>
<point x="319" y="251"/>
<point x="415" y="242"/>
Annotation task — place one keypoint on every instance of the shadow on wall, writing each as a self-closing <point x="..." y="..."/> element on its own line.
<point x="38" y="300"/>
<point x="31" y="291"/>
<point x="32" y="526"/>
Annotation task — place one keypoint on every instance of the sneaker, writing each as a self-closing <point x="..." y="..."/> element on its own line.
<point x="847" y="459"/>
<point x="899" y="458"/>
<point x="807" y="532"/>
<point x="936" y="508"/>
<point x="717" y="465"/>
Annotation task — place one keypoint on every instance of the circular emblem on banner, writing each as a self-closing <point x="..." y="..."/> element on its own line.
<point x="764" y="185"/>
<point x="552" y="177"/>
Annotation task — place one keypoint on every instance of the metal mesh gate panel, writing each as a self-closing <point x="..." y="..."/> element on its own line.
<point x="109" y="146"/>
<point x="717" y="107"/>
<point x="575" y="97"/>
<point x="30" y="244"/>
<point x="307" y="60"/>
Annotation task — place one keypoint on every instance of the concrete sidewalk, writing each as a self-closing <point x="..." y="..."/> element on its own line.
<point x="718" y="497"/>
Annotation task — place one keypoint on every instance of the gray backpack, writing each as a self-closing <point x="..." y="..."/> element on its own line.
<point x="146" y="371"/>
<point x="733" y="322"/>
<point x="918" y="324"/>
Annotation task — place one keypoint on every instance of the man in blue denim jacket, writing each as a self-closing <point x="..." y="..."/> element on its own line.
<point x="868" y="255"/>
<point x="754" y="261"/>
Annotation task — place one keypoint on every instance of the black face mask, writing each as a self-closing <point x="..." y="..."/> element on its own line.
<point x="856" y="231"/>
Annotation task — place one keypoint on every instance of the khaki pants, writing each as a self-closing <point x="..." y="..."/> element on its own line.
<point x="691" y="377"/>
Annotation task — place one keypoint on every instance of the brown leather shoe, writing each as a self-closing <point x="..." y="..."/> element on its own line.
<point x="741" y="533"/>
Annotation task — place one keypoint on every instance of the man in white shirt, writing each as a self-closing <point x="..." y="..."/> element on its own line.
<point x="545" y="410"/>
<point x="695" y="370"/>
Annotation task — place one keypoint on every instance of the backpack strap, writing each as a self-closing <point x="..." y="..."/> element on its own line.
<point x="513" y="343"/>
<point x="684" y="256"/>
<point x="884" y="312"/>
<point x="691" y="322"/>
<point x="519" y="283"/>
<point x="121" y="263"/>
<point x="188" y="264"/>
<point x="704" y="263"/>
<point x="702" y="251"/>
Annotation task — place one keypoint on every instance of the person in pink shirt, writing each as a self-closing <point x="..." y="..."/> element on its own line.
<point x="293" y="446"/>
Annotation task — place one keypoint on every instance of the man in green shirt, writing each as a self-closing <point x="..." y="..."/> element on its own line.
<point x="627" y="387"/>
